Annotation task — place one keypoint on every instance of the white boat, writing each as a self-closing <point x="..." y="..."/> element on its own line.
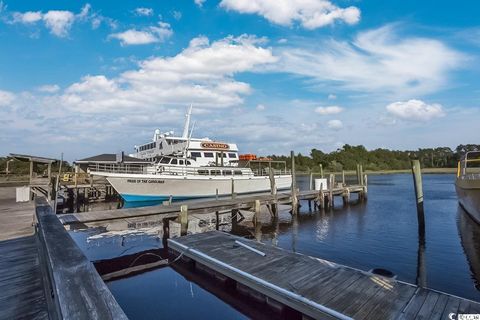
<point x="186" y="168"/>
<point x="179" y="178"/>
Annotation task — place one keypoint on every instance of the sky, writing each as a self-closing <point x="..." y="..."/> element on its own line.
<point x="85" y="78"/>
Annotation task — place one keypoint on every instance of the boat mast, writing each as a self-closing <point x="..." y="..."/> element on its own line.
<point x="187" y="122"/>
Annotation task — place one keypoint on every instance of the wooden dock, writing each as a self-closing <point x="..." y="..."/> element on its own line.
<point x="314" y="287"/>
<point x="207" y="205"/>
<point x="22" y="292"/>
<point x="43" y="273"/>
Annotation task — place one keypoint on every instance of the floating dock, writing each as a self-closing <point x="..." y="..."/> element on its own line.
<point x="314" y="287"/>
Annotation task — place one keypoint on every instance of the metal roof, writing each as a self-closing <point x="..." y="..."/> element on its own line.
<point x="26" y="157"/>
<point x="109" y="158"/>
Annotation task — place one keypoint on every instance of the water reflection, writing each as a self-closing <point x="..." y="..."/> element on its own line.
<point x="469" y="232"/>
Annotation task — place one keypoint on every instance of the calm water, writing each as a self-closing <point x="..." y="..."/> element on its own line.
<point x="381" y="233"/>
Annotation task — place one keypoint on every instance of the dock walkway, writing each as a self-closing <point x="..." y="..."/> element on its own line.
<point x="315" y="287"/>
<point x="22" y="292"/>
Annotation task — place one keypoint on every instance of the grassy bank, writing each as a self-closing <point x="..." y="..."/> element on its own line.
<point x="424" y="170"/>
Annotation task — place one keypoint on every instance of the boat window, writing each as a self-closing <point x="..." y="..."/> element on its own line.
<point x="220" y="155"/>
<point x="237" y="172"/>
<point x="174" y="161"/>
<point x="195" y="155"/>
<point x="208" y="154"/>
<point x="189" y="163"/>
<point x="180" y="161"/>
<point x="215" y="172"/>
<point x="227" y="172"/>
<point x="165" y="160"/>
<point x="232" y="155"/>
<point x="161" y="145"/>
<point x="203" y="172"/>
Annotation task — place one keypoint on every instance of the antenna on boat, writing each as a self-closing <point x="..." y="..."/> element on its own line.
<point x="188" y="142"/>
<point x="187" y="122"/>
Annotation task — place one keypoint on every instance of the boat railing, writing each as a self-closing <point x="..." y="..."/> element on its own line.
<point x="118" y="168"/>
<point x="262" y="167"/>
<point x="469" y="162"/>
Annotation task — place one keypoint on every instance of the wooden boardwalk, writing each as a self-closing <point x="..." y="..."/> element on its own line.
<point x="22" y="294"/>
<point x="315" y="287"/>
<point x="207" y="205"/>
<point x="16" y="219"/>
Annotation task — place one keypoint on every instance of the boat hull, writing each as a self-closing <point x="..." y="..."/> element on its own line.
<point x="134" y="188"/>
<point x="468" y="192"/>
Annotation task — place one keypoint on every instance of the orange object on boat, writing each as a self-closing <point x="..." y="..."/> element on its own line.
<point x="248" y="157"/>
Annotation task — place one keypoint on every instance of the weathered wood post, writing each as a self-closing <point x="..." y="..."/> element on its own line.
<point x="417" y="180"/>
<point x="233" y="189"/>
<point x="183" y="219"/>
<point x="330" y="195"/>
<point x="321" y="171"/>
<point x="50" y="185"/>
<point x="234" y="219"/>
<point x="256" y="209"/>
<point x="294" y="185"/>
<point x="343" y="178"/>
<point x="273" y="190"/>
<point x="361" y="174"/>
<point x="358" y="174"/>
<point x="310" y="185"/>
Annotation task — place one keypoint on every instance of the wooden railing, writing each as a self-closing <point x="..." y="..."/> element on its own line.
<point x="74" y="289"/>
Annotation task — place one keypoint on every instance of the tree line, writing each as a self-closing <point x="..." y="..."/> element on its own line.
<point x="347" y="158"/>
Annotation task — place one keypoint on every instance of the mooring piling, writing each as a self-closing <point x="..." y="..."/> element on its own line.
<point x="294" y="185"/>
<point x="417" y="182"/>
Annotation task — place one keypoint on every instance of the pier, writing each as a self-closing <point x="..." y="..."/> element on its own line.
<point x="44" y="274"/>
<point x="315" y="288"/>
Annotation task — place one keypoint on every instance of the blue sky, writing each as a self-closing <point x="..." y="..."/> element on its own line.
<point x="272" y="75"/>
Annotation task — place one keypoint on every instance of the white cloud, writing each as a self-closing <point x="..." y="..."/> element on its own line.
<point x="311" y="14"/>
<point x="49" y="88"/>
<point x="415" y="110"/>
<point x="177" y="15"/>
<point x="146" y="36"/>
<point x="328" y="110"/>
<point x="27" y="17"/>
<point x="282" y="41"/>
<point x="376" y="61"/>
<point x="202" y="73"/>
<point x="84" y="13"/>
<point x="143" y="11"/>
<point x="199" y="2"/>
<point x="6" y="98"/>
<point x="335" y="124"/>
<point x="260" y="107"/>
<point x="59" y="22"/>
<point x="332" y="97"/>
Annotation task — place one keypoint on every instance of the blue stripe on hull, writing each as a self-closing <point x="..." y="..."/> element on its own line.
<point x="143" y="198"/>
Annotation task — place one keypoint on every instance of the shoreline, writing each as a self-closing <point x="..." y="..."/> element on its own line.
<point x="381" y="172"/>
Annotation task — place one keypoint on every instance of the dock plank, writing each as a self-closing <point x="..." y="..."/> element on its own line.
<point x="21" y="288"/>
<point x="315" y="287"/>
